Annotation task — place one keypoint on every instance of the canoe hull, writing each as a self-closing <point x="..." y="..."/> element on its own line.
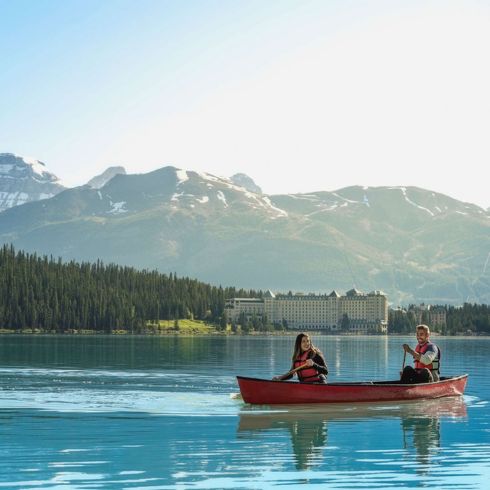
<point x="266" y="392"/>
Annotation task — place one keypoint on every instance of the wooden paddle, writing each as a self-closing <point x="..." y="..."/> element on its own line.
<point x="292" y="372"/>
<point x="238" y="396"/>
<point x="403" y="365"/>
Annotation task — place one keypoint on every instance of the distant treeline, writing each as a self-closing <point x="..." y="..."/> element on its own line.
<point x="467" y="319"/>
<point x="44" y="293"/>
<point x="470" y="318"/>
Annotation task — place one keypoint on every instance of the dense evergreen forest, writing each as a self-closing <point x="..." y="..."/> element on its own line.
<point x="44" y="293"/>
<point x="47" y="294"/>
<point x="467" y="319"/>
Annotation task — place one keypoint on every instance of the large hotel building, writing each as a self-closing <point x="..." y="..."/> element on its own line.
<point x="356" y="312"/>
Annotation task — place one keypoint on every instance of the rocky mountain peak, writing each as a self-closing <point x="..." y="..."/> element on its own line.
<point x="15" y="166"/>
<point x="247" y="182"/>
<point x="101" y="180"/>
<point x="25" y="179"/>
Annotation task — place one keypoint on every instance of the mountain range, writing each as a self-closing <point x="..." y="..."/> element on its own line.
<point x="414" y="244"/>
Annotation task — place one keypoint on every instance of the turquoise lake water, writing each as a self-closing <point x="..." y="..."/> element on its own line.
<point x="158" y="413"/>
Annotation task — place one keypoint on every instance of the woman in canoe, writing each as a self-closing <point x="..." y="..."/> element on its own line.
<point x="308" y="362"/>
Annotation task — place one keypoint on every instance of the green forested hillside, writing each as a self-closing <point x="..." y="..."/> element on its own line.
<point x="41" y="292"/>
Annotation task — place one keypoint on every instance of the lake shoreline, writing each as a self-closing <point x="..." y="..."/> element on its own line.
<point x="216" y="333"/>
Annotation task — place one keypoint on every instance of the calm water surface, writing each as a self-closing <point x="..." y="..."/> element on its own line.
<point x="156" y="413"/>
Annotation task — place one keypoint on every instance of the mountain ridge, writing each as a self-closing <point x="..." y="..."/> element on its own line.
<point x="414" y="244"/>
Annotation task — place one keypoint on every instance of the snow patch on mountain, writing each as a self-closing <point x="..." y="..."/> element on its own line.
<point x="324" y="209"/>
<point x="257" y="201"/>
<point x="210" y="177"/>
<point x="404" y="192"/>
<point x="345" y="199"/>
<point x="222" y="198"/>
<point x="118" y="207"/>
<point x="10" y="199"/>
<point x="181" y="176"/>
<point x="221" y="180"/>
<point x="176" y="195"/>
<point x="37" y="167"/>
<point x="280" y="212"/>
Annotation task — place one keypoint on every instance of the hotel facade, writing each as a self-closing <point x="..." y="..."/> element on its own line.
<point x="354" y="312"/>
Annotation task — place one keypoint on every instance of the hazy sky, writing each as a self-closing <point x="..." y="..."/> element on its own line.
<point x="300" y="95"/>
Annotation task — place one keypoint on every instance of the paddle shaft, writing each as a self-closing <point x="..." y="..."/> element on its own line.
<point x="293" y="371"/>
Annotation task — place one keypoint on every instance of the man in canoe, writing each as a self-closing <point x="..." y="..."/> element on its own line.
<point x="426" y="356"/>
<point x="308" y="362"/>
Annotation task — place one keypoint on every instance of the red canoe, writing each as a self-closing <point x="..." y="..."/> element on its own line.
<point x="266" y="392"/>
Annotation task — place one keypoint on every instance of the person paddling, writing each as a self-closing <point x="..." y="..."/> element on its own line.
<point x="426" y="356"/>
<point x="308" y="362"/>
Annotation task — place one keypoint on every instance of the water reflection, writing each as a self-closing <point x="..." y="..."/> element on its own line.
<point x="424" y="434"/>
<point x="308" y="426"/>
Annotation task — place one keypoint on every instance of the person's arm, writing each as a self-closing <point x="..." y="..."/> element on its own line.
<point x="319" y="364"/>
<point x="426" y="358"/>
<point x="429" y="355"/>
<point x="284" y="377"/>
<point x="414" y="354"/>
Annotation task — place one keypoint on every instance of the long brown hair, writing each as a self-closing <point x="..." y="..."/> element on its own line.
<point x="297" y="346"/>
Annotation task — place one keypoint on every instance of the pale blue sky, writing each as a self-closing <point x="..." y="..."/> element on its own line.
<point x="300" y="95"/>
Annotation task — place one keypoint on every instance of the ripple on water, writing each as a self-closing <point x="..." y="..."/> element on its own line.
<point x="157" y="393"/>
<point x="155" y="403"/>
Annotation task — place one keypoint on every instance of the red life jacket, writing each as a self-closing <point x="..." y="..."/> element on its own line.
<point x="309" y="375"/>
<point x="422" y="349"/>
